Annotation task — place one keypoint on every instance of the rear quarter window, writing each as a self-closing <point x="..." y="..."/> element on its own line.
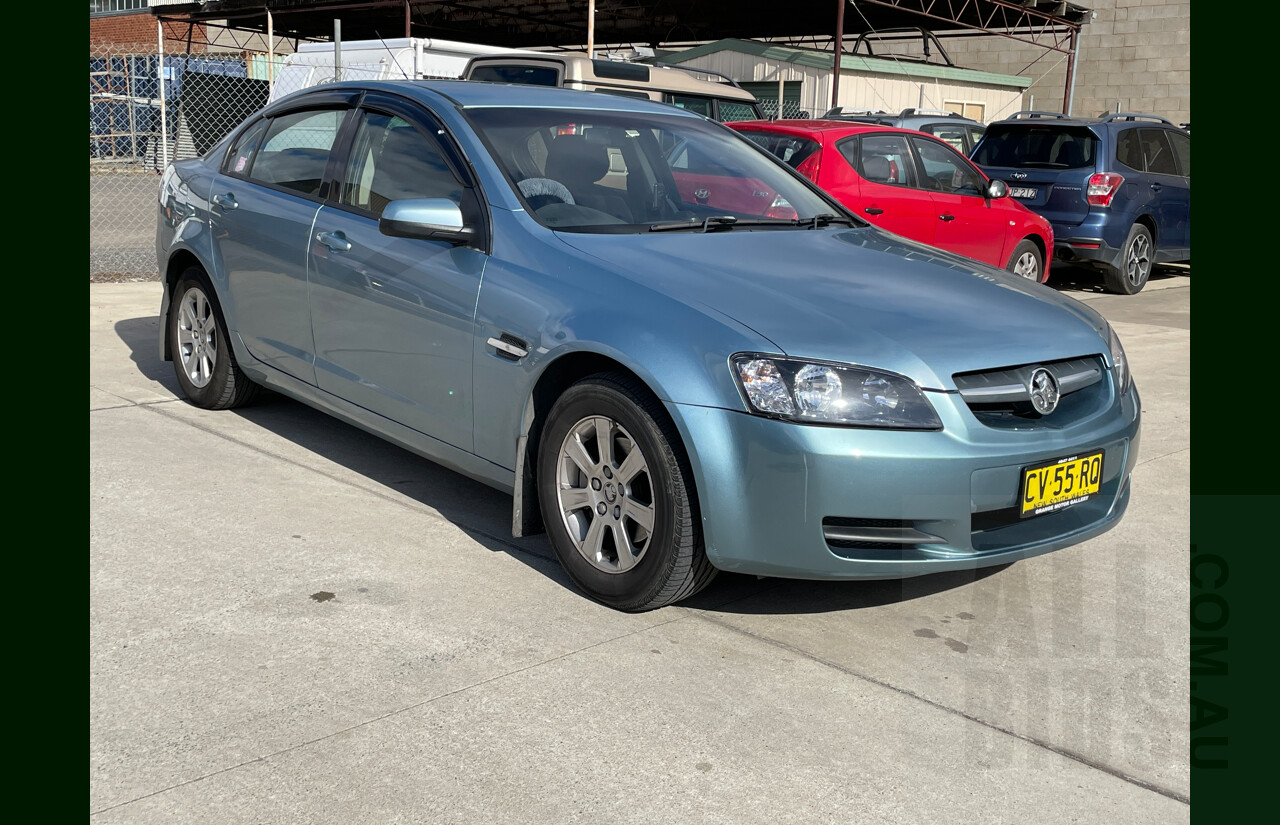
<point x="790" y="149"/>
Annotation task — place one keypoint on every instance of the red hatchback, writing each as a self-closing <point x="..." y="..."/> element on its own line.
<point x="914" y="185"/>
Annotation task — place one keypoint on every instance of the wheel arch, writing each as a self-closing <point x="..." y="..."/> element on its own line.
<point x="180" y="260"/>
<point x="556" y="377"/>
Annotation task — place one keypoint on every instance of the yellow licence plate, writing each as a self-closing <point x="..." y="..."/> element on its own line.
<point x="1063" y="482"/>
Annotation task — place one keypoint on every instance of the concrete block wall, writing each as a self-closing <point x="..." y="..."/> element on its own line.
<point x="1137" y="52"/>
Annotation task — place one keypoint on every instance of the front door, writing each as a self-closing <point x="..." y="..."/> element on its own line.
<point x="966" y="221"/>
<point x="393" y="317"/>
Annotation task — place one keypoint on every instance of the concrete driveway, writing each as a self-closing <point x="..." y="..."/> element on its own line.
<point x="292" y="621"/>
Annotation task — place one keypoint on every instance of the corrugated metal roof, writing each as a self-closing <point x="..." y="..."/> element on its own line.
<point x="849" y="62"/>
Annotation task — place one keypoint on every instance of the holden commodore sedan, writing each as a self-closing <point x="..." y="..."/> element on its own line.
<point x="511" y="282"/>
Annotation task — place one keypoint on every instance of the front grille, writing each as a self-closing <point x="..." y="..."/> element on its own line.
<point x="1000" y="398"/>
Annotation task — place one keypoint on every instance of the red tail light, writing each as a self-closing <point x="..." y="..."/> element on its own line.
<point x="1103" y="187"/>
<point x="809" y="166"/>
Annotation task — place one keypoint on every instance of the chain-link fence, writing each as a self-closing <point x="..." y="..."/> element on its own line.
<point x="790" y="108"/>
<point x="134" y="131"/>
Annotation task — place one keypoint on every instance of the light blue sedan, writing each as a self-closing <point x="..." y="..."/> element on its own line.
<point x="675" y="353"/>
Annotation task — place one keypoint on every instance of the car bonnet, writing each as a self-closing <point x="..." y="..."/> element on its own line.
<point x="860" y="296"/>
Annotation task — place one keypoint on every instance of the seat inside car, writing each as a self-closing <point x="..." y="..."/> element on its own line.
<point x="877" y="169"/>
<point x="579" y="163"/>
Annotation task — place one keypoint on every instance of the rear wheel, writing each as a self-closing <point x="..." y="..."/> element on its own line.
<point x="1136" y="258"/>
<point x="202" y="357"/>
<point x="617" y="496"/>
<point x="1027" y="261"/>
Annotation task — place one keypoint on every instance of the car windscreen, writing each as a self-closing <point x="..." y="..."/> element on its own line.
<point x="617" y="171"/>
<point x="1048" y="147"/>
<point x="530" y="75"/>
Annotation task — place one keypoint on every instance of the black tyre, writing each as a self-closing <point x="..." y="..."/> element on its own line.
<point x="202" y="357"/>
<point x="617" y="496"/>
<point x="1136" y="259"/>
<point x="1027" y="261"/>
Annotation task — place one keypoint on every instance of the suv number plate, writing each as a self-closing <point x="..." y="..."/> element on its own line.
<point x="1021" y="192"/>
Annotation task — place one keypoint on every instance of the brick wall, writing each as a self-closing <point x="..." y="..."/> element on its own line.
<point x="1135" y="51"/>
<point x="137" y="33"/>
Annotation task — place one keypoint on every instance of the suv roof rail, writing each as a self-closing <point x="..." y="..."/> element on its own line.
<point x="942" y="112"/>
<point x="1030" y="114"/>
<point x="1107" y="118"/>
<point x="692" y="70"/>
<point x="852" y="110"/>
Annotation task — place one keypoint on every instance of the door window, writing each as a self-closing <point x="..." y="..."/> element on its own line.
<point x="1157" y="152"/>
<point x="240" y="157"/>
<point x="390" y="160"/>
<point x="1182" y="149"/>
<point x="296" y="150"/>
<point x="951" y="134"/>
<point x="947" y="171"/>
<point x="881" y="159"/>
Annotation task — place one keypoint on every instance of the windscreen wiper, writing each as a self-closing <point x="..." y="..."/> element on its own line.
<point x="827" y="218"/>
<point x="693" y="224"/>
<point x="717" y="223"/>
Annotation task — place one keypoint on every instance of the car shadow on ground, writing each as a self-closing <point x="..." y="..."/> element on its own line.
<point x="1067" y="278"/>
<point x="484" y="514"/>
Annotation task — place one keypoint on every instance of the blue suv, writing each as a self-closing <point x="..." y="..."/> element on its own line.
<point x="1117" y="188"/>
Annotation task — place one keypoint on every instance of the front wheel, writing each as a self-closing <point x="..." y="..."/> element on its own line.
<point x="1027" y="261"/>
<point x="617" y="496"/>
<point x="202" y="358"/>
<point x="1136" y="257"/>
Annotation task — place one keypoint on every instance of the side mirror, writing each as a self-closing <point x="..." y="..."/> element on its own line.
<point x="997" y="189"/>
<point x="432" y="219"/>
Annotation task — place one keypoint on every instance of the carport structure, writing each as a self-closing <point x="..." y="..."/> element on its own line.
<point x="589" y="24"/>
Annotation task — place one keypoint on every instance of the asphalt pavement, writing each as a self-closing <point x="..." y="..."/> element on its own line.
<point x="293" y="621"/>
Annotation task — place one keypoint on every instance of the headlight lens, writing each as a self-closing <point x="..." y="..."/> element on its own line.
<point x="1123" y="379"/>
<point x="825" y="393"/>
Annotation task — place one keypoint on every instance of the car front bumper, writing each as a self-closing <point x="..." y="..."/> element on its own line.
<point x="773" y="494"/>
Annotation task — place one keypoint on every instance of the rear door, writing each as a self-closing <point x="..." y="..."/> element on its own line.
<point x="1171" y="201"/>
<point x="265" y="201"/>
<point x="1047" y="166"/>
<point x="890" y="193"/>
<point x="966" y="222"/>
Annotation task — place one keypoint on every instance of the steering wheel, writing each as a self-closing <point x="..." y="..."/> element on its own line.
<point x="545" y="188"/>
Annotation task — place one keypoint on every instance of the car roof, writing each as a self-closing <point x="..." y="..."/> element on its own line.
<point x="816" y="126"/>
<point x="469" y="94"/>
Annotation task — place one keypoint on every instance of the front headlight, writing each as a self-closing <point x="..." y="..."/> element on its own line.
<point x="825" y="393"/>
<point x="1123" y="378"/>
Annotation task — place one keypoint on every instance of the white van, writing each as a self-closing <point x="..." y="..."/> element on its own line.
<point x="413" y="58"/>
<point x="723" y="101"/>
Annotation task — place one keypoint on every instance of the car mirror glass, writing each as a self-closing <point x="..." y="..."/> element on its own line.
<point x="997" y="189"/>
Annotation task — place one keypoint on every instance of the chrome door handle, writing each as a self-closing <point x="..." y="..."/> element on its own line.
<point x="334" y="240"/>
<point x="227" y="201"/>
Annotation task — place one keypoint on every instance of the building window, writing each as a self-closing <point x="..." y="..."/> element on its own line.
<point x="973" y="111"/>
<point x="100" y="7"/>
